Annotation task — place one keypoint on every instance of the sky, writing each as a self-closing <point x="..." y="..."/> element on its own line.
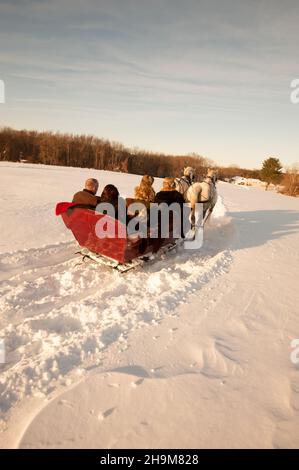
<point x="211" y="77"/>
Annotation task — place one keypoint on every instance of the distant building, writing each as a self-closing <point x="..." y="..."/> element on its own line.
<point x="241" y="181"/>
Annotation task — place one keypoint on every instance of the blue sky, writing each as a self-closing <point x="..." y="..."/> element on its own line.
<point x="205" y="76"/>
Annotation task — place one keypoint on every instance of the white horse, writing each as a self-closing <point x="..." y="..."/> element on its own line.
<point x="204" y="192"/>
<point x="183" y="183"/>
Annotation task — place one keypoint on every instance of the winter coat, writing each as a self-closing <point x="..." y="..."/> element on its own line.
<point x="87" y="198"/>
<point x="169" y="197"/>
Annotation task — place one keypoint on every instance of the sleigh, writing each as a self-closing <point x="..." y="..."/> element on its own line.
<point x="116" y="249"/>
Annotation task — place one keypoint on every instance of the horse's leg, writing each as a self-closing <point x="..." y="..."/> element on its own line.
<point x="193" y="200"/>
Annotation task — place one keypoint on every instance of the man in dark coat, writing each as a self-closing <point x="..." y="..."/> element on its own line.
<point x="169" y="195"/>
<point x="88" y="197"/>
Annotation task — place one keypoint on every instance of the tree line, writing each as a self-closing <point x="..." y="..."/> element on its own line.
<point x="87" y="151"/>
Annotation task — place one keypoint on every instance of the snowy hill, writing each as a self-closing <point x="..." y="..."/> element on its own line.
<point x="192" y="351"/>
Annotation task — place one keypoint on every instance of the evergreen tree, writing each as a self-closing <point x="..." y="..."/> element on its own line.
<point x="271" y="171"/>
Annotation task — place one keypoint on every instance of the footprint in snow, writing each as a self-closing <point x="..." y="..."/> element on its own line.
<point x="138" y="382"/>
<point x="105" y="414"/>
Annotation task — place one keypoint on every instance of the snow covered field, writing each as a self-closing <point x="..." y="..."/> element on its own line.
<point x="192" y="351"/>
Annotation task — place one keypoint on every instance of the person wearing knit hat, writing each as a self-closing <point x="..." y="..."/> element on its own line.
<point x="189" y="173"/>
<point x="212" y="174"/>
